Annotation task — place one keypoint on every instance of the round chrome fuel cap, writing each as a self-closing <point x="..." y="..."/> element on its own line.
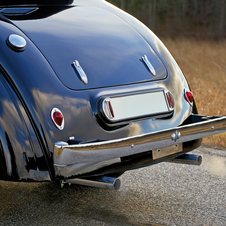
<point x="16" y="42"/>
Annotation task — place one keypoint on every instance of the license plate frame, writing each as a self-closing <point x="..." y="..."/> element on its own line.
<point x="134" y="106"/>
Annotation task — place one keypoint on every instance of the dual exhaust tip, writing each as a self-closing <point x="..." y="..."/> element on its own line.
<point x="187" y="159"/>
<point x="98" y="182"/>
<point x="115" y="183"/>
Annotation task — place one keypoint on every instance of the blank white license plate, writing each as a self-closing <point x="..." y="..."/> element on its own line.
<point x="138" y="105"/>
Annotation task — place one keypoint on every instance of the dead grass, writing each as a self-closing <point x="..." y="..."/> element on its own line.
<point x="204" y="65"/>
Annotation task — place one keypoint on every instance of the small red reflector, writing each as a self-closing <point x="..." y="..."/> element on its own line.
<point x="170" y="100"/>
<point x="189" y="96"/>
<point x="58" y="118"/>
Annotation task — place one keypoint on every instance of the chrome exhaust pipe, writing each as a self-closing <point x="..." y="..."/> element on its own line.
<point x="187" y="159"/>
<point x="99" y="182"/>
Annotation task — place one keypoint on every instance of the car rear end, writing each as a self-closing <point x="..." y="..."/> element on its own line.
<point x="99" y="89"/>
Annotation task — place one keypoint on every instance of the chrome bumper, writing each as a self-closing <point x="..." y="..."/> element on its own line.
<point x="67" y="158"/>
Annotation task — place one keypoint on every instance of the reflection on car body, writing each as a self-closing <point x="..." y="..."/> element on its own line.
<point x="87" y="93"/>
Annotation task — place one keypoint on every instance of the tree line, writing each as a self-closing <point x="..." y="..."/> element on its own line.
<point x="176" y="18"/>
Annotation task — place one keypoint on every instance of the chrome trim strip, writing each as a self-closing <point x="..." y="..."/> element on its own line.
<point x="80" y="71"/>
<point x="92" y="153"/>
<point x="148" y="65"/>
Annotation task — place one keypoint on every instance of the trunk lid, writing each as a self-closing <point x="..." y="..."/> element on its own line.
<point x="106" y="47"/>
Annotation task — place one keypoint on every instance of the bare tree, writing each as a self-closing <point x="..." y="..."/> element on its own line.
<point x="151" y="14"/>
<point x="221" y="23"/>
<point x="122" y="4"/>
<point x="197" y="18"/>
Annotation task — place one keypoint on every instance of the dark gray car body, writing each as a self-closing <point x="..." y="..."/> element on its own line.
<point x="108" y="43"/>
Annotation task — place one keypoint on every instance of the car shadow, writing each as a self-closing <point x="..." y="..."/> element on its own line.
<point x="30" y="201"/>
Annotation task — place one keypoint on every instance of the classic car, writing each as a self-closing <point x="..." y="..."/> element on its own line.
<point x="88" y="92"/>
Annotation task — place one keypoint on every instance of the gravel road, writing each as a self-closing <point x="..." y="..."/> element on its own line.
<point x="164" y="194"/>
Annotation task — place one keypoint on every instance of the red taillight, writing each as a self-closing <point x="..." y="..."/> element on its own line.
<point x="170" y="100"/>
<point x="111" y="109"/>
<point x="108" y="109"/>
<point x="57" y="118"/>
<point x="188" y="96"/>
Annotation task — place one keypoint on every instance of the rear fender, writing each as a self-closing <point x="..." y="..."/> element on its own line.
<point x="21" y="157"/>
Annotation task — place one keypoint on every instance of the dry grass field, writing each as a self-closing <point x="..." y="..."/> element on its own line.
<point x="204" y="65"/>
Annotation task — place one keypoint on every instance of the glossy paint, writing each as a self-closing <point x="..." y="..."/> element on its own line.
<point x="90" y="35"/>
<point x="42" y="78"/>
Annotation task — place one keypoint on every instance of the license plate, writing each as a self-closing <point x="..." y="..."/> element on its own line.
<point x="120" y="108"/>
